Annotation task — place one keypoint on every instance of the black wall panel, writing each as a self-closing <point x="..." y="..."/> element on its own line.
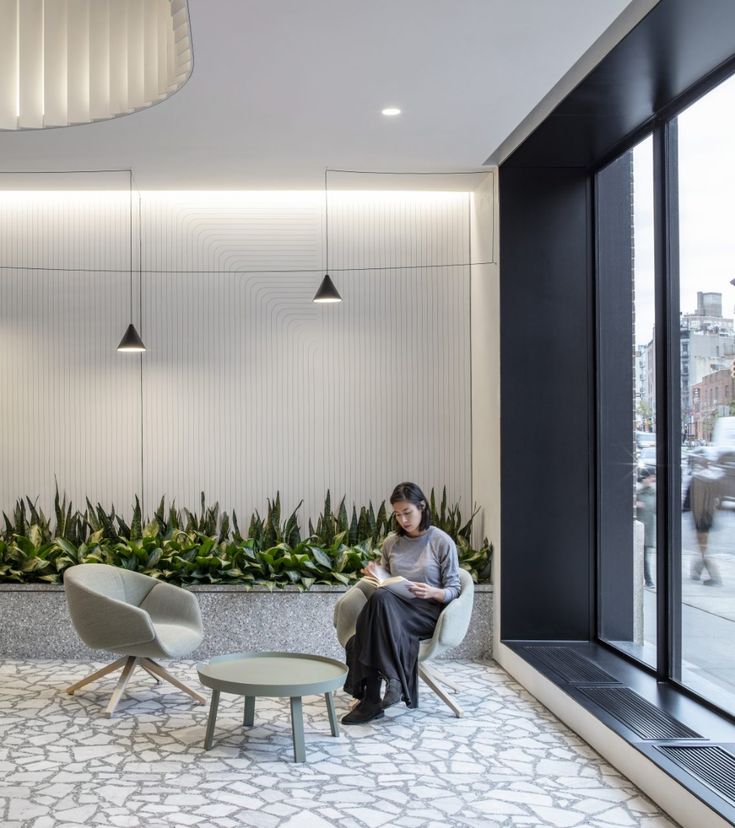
<point x="546" y="392"/>
<point x="617" y="462"/>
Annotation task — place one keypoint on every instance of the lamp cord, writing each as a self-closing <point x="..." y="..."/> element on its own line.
<point x="326" y="223"/>
<point x="246" y="272"/>
<point x="131" y="246"/>
<point x="140" y="264"/>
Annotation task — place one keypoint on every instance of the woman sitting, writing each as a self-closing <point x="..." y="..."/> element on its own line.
<point x="391" y="626"/>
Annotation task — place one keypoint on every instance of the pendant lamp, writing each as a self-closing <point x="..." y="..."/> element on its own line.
<point x="327" y="291"/>
<point x="67" y="62"/>
<point x="131" y="341"/>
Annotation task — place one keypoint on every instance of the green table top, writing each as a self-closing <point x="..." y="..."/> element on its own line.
<point x="272" y="674"/>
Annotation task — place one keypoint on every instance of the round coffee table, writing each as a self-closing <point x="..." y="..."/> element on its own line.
<point x="273" y="674"/>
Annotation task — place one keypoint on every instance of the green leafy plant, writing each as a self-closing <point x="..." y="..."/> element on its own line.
<point x="184" y="547"/>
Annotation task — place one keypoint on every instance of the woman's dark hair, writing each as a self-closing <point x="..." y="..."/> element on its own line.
<point x="410" y="493"/>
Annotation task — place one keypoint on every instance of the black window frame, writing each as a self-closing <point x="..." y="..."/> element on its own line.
<point x="662" y="128"/>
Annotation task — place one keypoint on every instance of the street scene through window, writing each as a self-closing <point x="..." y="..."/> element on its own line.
<point x="703" y="135"/>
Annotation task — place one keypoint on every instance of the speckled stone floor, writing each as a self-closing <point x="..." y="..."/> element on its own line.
<point x="509" y="762"/>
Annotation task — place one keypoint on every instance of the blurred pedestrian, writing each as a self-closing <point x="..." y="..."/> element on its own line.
<point x="703" y="499"/>
<point x="645" y="512"/>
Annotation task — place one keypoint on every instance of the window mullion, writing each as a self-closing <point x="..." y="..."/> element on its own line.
<point x="668" y="401"/>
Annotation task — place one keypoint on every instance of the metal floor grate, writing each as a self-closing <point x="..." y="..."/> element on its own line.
<point x="639" y="715"/>
<point x="569" y="664"/>
<point x="712" y="764"/>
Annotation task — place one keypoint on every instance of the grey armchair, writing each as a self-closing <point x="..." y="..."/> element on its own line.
<point x="132" y="614"/>
<point x="450" y="630"/>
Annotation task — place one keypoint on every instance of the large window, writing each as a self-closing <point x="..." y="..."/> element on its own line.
<point x="666" y="398"/>
<point x="628" y="403"/>
<point x="706" y="230"/>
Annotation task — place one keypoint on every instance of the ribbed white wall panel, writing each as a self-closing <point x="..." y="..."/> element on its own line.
<point x="247" y="386"/>
<point x="69" y="402"/>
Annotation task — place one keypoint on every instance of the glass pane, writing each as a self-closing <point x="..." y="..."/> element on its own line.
<point x="706" y="172"/>
<point x="626" y="391"/>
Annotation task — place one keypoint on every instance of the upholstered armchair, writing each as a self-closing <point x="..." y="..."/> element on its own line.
<point x="134" y="615"/>
<point x="450" y="630"/>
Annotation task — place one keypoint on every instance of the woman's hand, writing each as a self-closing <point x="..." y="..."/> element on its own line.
<point x="427" y="592"/>
<point x="370" y="568"/>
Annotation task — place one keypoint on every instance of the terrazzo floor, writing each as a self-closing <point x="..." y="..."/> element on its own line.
<point x="509" y="762"/>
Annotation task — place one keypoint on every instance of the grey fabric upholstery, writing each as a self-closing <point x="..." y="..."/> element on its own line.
<point x="453" y="623"/>
<point x="451" y="628"/>
<point x="133" y="615"/>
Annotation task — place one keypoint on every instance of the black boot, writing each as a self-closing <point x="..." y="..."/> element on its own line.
<point x="393" y="692"/>
<point x="364" y="711"/>
<point x="369" y="707"/>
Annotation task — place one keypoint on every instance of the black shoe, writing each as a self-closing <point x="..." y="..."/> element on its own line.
<point x="393" y="692"/>
<point x="712" y="582"/>
<point x="364" y="711"/>
<point x="650" y="585"/>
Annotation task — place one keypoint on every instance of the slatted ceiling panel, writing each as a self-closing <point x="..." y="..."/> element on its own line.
<point x="248" y="387"/>
<point x="8" y="65"/>
<point x="99" y="59"/>
<point x="78" y="57"/>
<point x="56" y="64"/>
<point x="150" y="51"/>
<point x="118" y="58"/>
<point x="163" y="12"/>
<point x="82" y="60"/>
<point x="30" y="61"/>
<point x="136" y="95"/>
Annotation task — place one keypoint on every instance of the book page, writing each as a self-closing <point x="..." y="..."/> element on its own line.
<point x="399" y="585"/>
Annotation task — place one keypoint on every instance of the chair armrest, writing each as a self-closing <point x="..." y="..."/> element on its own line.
<point x="346" y="610"/>
<point x="451" y="626"/>
<point x="169" y="604"/>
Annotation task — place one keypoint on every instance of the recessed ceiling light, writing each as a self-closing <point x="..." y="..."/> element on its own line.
<point x="391" y="111"/>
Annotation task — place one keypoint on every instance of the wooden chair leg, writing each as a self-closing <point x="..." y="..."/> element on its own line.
<point x="121" y="685"/>
<point x="439" y="677"/>
<point x="430" y="680"/>
<point x="156" y="669"/>
<point x="148" y="670"/>
<point x="110" y="668"/>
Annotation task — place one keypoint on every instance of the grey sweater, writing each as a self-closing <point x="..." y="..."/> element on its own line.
<point x="430" y="558"/>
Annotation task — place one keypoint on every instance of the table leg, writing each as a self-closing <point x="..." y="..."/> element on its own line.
<point x="332" y="713"/>
<point x="297" y="729"/>
<point x="249" y="716"/>
<point x="213" y="705"/>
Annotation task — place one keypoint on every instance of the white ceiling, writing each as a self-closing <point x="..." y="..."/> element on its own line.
<point x="282" y="89"/>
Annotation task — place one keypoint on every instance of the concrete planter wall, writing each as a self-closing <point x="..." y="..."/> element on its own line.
<point x="34" y="622"/>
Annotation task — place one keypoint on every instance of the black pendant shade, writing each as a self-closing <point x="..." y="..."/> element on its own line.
<point x="327" y="291"/>
<point x="131" y="341"/>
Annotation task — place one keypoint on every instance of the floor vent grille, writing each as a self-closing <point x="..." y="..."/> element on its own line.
<point x="639" y="715"/>
<point x="570" y="665"/>
<point x="712" y="764"/>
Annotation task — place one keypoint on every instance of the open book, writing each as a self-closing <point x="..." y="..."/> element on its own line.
<point x="395" y="583"/>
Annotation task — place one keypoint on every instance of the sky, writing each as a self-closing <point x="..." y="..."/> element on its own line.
<point x="706" y="208"/>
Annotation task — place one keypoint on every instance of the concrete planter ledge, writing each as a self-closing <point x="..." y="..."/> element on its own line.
<point x="34" y="622"/>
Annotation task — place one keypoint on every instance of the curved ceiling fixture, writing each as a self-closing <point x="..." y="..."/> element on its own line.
<point x="67" y="62"/>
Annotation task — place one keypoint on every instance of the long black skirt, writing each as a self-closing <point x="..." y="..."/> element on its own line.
<point x="386" y="642"/>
